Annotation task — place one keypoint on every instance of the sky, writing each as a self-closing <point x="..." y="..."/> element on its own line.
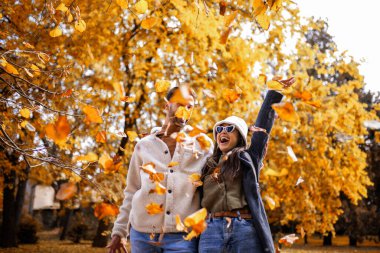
<point x="353" y="25"/>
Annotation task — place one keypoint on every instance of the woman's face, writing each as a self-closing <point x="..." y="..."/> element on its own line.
<point x="227" y="141"/>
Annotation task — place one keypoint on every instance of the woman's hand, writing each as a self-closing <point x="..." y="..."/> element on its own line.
<point x="287" y="82"/>
<point x="116" y="245"/>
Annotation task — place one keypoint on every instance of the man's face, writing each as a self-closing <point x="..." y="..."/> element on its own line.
<point x="172" y="107"/>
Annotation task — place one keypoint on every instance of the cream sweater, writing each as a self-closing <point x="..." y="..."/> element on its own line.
<point x="180" y="197"/>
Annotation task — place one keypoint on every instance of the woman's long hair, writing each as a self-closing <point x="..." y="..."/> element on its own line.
<point x="229" y="167"/>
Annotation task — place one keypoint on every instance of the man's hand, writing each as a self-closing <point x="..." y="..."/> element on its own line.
<point x="117" y="245"/>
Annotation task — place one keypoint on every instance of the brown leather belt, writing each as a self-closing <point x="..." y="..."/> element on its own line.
<point x="244" y="214"/>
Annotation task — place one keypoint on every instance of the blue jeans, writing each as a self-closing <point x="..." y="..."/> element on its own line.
<point x="238" y="237"/>
<point x="171" y="242"/>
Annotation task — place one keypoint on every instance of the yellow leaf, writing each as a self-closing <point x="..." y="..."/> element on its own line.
<point x="36" y="70"/>
<point x="24" y="112"/>
<point x="263" y="20"/>
<point x="159" y="189"/>
<point x="27" y="125"/>
<point x="153" y="175"/>
<point x="80" y="25"/>
<point x="304" y="95"/>
<point x="196" y="131"/>
<point x="316" y="103"/>
<point x="8" y="67"/>
<point x="154" y="208"/>
<point x="128" y="99"/>
<point x="259" y="7"/>
<point x="286" y="111"/>
<point x="172" y="164"/>
<point x="92" y="114"/>
<point x="181" y="96"/>
<point x="69" y="17"/>
<point x="275" y="173"/>
<point x="109" y="164"/>
<point x="59" y="130"/>
<point x="203" y="142"/>
<point x="149" y="23"/>
<point x="162" y="86"/>
<point x="262" y="79"/>
<point x="274" y="85"/>
<point x="90" y="157"/>
<point x="122" y="3"/>
<point x="62" y="7"/>
<point x="197" y="222"/>
<point x="132" y="135"/>
<point x="179" y="225"/>
<point x="270" y="202"/>
<point x="56" y="32"/>
<point x="141" y="6"/>
<point x="195" y="179"/>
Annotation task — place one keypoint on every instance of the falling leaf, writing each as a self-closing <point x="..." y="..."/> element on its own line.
<point x="56" y="32"/>
<point x="92" y="114"/>
<point x="179" y="137"/>
<point x="110" y="165"/>
<point x="286" y="111"/>
<point x="291" y="154"/>
<point x="66" y="191"/>
<point x="316" y="103"/>
<point x="204" y="143"/>
<point x="208" y="93"/>
<point x="230" y="18"/>
<point x="153" y="174"/>
<point x="263" y="21"/>
<point x="103" y="210"/>
<point x="271" y="203"/>
<point x="25" y="112"/>
<point x="259" y="7"/>
<point x="118" y="87"/>
<point x="274" y="85"/>
<point x="299" y="181"/>
<point x="183" y="113"/>
<point x="35" y="69"/>
<point x="197" y="223"/>
<point x="80" y="25"/>
<point x="154" y="208"/>
<point x="101" y="137"/>
<point x="179" y="225"/>
<point x="122" y="3"/>
<point x="195" y="179"/>
<point x="231" y="95"/>
<point x="59" y="130"/>
<point x="172" y="164"/>
<point x="69" y="16"/>
<point x="132" y="135"/>
<point x="288" y="239"/>
<point x="159" y="189"/>
<point x="149" y="23"/>
<point x="162" y="86"/>
<point x="262" y="79"/>
<point x="181" y="96"/>
<point x="141" y="6"/>
<point x="304" y="95"/>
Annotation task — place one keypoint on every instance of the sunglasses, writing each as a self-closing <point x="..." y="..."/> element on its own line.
<point x="228" y="129"/>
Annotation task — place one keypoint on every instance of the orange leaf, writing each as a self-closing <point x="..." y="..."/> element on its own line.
<point x="183" y="113"/>
<point x="222" y="7"/>
<point x="203" y="142"/>
<point x="109" y="164"/>
<point x="195" y="179"/>
<point x="92" y="115"/>
<point x="159" y="189"/>
<point x="195" y="131"/>
<point x="263" y="20"/>
<point x="154" y="208"/>
<point x="101" y="137"/>
<point x="162" y="86"/>
<point x="286" y="111"/>
<point x="179" y="225"/>
<point x="128" y="99"/>
<point x="172" y="164"/>
<point x="316" y="103"/>
<point x="8" y="67"/>
<point x="230" y="18"/>
<point x="132" y="135"/>
<point x="181" y="96"/>
<point x="103" y="210"/>
<point x="197" y="222"/>
<point x="304" y="95"/>
<point x="58" y="131"/>
<point x="66" y="191"/>
<point x="224" y="36"/>
<point x="153" y="175"/>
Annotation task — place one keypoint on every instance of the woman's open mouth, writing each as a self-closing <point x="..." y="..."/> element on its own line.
<point x="224" y="140"/>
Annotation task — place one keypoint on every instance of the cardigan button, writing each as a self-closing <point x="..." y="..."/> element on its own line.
<point x="168" y="212"/>
<point x="169" y="191"/>
<point x="166" y="151"/>
<point x="171" y="171"/>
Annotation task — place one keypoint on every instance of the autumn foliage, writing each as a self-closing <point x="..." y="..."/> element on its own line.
<point x="82" y="82"/>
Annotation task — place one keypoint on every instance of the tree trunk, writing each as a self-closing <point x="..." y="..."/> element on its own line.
<point x="353" y="241"/>
<point x="21" y="195"/>
<point x="327" y="240"/>
<point x="101" y="240"/>
<point x="66" y="222"/>
<point x="305" y="240"/>
<point x="8" y="236"/>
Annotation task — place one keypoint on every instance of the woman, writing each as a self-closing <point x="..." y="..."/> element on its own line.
<point x="237" y="220"/>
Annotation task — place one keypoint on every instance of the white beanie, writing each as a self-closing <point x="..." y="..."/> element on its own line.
<point x="239" y="123"/>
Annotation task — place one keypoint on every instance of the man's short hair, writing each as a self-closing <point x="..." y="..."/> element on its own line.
<point x="171" y="92"/>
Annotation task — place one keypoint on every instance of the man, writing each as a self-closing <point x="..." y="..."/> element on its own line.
<point x="156" y="232"/>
